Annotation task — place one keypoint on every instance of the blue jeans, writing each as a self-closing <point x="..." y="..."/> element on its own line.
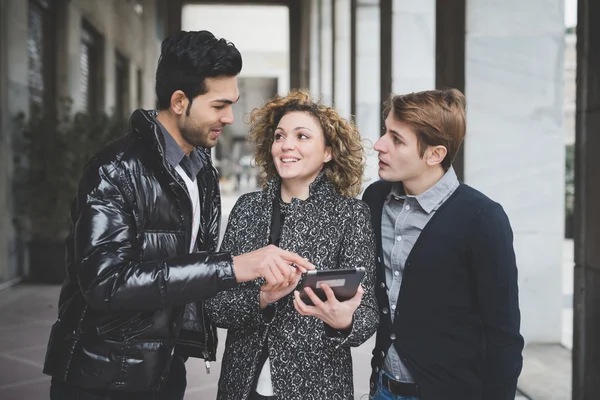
<point x="383" y="394"/>
<point x="173" y="390"/>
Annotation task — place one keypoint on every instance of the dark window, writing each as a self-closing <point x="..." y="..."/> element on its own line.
<point x="41" y="42"/>
<point x="122" y="86"/>
<point x="90" y="63"/>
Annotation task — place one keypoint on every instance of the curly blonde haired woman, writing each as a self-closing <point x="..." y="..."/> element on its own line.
<point x="278" y="347"/>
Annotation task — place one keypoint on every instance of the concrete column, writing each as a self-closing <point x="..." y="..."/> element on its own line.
<point x="368" y="104"/>
<point x="299" y="48"/>
<point x="514" y="148"/>
<point x="5" y="157"/>
<point x="586" y="329"/>
<point x="133" y="90"/>
<point x="315" y="47"/>
<point x="110" y="77"/>
<point x="14" y="99"/>
<point x="342" y="84"/>
<point x="173" y="16"/>
<point x="153" y="43"/>
<point x="413" y="45"/>
<point x="450" y="55"/>
<point x="326" y="54"/>
<point x="69" y="68"/>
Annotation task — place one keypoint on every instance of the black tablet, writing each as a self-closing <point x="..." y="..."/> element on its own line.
<point x="343" y="282"/>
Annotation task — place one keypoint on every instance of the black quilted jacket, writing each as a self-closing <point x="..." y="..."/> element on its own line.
<point x="133" y="295"/>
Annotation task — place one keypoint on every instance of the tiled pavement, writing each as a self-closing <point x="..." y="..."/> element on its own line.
<point x="28" y="311"/>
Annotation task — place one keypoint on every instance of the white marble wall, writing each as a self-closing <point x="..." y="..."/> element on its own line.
<point x="326" y="53"/>
<point x="315" y="47"/>
<point x="368" y="101"/>
<point x="264" y="54"/>
<point x="514" y="148"/>
<point x="342" y="86"/>
<point x="413" y="45"/>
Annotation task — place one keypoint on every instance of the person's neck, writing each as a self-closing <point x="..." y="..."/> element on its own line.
<point x="292" y="189"/>
<point x="171" y="126"/>
<point x="422" y="183"/>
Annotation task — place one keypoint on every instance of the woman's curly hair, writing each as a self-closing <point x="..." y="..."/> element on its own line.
<point x="346" y="168"/>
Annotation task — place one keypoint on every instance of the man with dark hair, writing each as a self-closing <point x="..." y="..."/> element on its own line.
<point x="447" y="275"/>
<point x="141" y="253"/>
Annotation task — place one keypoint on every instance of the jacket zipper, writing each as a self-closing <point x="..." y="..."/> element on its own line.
<point x="205" y="351"/>
<point x="206" y="340"/>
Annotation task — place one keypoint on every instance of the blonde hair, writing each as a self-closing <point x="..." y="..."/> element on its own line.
<point x="346" y="168"/>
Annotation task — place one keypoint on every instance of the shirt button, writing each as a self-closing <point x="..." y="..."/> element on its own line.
<point x="396" y="273"/>
<point x="407" y="207"/>
<point x="398" y="238"/>
<point x="394" y="307"/>
<point x="385" y="310"/>
<point x="393" y="336"/>
<point x="397" y="377"/>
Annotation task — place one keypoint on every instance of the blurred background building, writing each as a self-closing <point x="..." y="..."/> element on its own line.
<point x="515" y="61"/>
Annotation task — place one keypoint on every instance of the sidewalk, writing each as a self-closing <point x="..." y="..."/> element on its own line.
<point x="28" y="311"/>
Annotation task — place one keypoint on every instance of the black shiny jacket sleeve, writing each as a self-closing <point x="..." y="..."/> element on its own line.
<point x="108" y="255"/>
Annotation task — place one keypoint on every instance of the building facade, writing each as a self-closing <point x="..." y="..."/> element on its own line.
<point x="99" y="54"/>
<point x="507" y="58"/>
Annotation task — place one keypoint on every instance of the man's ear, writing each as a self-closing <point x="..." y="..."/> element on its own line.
<point x="436" y="154"/>
<point x="179" y="102"/>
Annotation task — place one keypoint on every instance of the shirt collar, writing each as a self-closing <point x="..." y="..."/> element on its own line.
<point x="173" y="152"/>
<point x="176" y="156"/>
<point x="432" y="197"/>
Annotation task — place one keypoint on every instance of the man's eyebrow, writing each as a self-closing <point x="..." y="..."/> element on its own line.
<point x="396" y="133"/>
<point x="226" y="101"/>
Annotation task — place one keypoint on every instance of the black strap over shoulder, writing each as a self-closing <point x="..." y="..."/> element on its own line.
<point x="276" y="223"/>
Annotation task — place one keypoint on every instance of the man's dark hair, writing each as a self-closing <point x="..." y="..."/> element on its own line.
<point x="187" y="58"/>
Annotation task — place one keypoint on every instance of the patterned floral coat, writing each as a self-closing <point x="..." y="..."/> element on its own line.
<point x="307" y="362"/>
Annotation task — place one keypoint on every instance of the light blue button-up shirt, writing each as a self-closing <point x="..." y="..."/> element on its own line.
<point x="402" y="220"/>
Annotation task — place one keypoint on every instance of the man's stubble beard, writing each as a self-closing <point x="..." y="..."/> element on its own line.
<point x="195" y="137"/>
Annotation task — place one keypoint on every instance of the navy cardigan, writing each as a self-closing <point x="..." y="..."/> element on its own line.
<point x="457" y="320"/>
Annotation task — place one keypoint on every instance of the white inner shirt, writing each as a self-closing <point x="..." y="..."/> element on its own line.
<point x="192" y="187"/>
<point x="264" y="386"/>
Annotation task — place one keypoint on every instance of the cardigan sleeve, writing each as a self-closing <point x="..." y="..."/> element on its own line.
<point x="358" y="250"/>
<point x="497" y="296"/>
<point x="238" y="307"/>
